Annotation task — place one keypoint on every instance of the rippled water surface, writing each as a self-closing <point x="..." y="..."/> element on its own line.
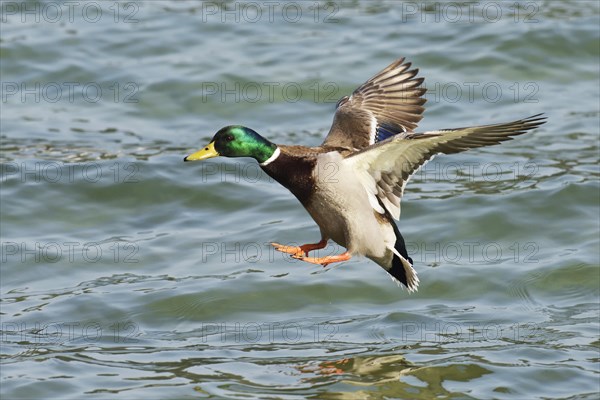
<point x="129" y="274"/>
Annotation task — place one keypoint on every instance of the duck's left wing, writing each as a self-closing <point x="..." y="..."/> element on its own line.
<point x="384" y="169"/>
<point x="387" y="104"/>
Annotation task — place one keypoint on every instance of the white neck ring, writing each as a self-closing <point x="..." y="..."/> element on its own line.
<point x="272" y="158"/>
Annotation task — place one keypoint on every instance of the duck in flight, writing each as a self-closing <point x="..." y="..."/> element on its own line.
<point x="352" y="184"/>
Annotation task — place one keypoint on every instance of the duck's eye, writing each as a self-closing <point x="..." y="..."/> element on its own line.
<point x="229" y="138"/>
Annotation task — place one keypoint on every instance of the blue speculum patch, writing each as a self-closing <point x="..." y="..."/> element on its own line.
<point x="385" y="131"/>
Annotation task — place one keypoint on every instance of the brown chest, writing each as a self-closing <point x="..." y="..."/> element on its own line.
<point x="295" y="174"/>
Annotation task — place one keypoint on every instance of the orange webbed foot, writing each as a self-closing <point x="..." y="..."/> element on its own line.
<point x="324" y="261"/>
<point x="293" y="250"/>
<point x="299" y="251"/>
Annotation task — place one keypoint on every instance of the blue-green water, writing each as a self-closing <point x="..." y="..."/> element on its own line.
<point x="127" y="273"/>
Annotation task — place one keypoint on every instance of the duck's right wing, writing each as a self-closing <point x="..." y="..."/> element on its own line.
<point x="384" y="168"/>
<point x="387" y="104"/>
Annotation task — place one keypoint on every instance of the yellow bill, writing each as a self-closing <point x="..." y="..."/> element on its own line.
<point x="207" y="152"/>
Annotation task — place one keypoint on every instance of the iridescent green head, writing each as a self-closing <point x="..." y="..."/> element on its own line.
<point x="236" y="141"/>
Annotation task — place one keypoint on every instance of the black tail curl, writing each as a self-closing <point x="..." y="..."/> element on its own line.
<point x="398" y="270"/>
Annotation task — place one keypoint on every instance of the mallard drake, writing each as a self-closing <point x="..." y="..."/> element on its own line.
<point x="351" y="184"/>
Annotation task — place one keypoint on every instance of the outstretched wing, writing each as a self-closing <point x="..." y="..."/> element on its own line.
<point x="387" y="104"/>
<point x="384" y="169"/>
